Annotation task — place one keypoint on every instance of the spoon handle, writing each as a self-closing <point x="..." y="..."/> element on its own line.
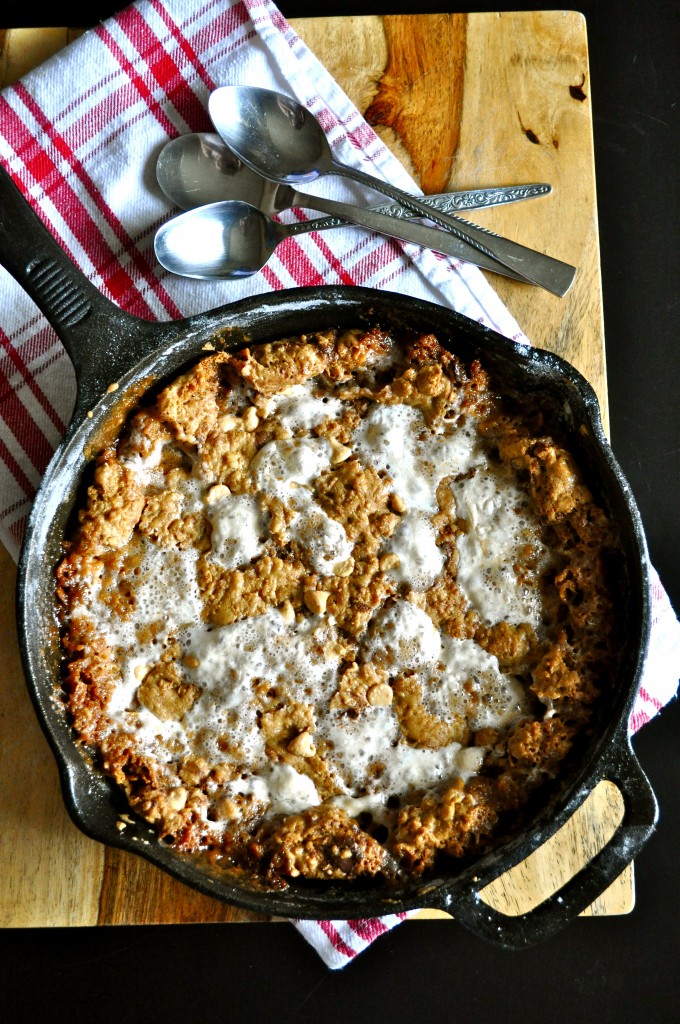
<point x="545" y="271"/>
<point x="404" y="229"/>
<point x="445" y="202"/>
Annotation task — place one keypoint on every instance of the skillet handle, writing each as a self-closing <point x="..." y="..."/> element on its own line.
<point x="101" y="339"/>
<point x="620" y="766"/>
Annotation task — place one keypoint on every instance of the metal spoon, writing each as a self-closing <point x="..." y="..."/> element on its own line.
<point x="232" y="239"/>
<point x="279" y="138"/>
<point x="198" y="168"/>
<point x="269" y="197"/>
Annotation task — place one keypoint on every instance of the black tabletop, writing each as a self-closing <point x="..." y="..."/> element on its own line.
<point x="622" y="969"/>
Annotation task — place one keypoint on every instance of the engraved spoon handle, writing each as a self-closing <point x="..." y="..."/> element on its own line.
<point x="445" y="202"/>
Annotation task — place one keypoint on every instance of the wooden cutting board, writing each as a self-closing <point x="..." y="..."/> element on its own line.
<point x="463" y="101"/>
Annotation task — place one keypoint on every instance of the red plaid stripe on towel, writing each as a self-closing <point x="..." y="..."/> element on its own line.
<point x="80" y="136"/>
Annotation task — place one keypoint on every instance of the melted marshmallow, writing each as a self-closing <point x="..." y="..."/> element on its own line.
<point x="374" y="740"/>
<point x="298" y="409"/>
<point x="289" y="791"/>
<point x="402" y="637"/>
<point x="396" y="439"/>
<point x="287" y="469"/>
<point x="237" y="527"/>
<point x="500" y="525"/>
<point x="414" y="542"/>
<point x="281" y="467"/>
<point x="473" y="685"/>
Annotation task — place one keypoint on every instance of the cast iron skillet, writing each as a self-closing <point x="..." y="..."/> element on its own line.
<point x="111" y="347"/>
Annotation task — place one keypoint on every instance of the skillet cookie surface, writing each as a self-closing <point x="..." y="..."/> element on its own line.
<point x="333" y="609"/>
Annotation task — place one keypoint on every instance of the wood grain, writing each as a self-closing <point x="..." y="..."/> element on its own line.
<point x="426" y="57"/>
<point x="462" y="101"/>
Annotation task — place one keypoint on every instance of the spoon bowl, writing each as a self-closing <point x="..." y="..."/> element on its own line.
<point x="221" y="241"/>
<point x="198" y="169"/>
<point x="271" y="132"/>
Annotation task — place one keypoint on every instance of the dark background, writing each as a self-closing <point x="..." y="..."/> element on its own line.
<point x="622" y="969"/>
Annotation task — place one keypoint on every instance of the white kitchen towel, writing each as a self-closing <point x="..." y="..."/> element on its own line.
<point x="80" y="136"/>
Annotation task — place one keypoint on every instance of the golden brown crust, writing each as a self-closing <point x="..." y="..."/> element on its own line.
<point x="90" y="679"/>
<point x="189" y="406"/>
<point x="515" y="646"/>
<point x="361" y="686"/>
<point x="540" y="744"/>
<point x="323" y="844"/>
<point x="448" y="608"/>
<point x="360" y="500"/>
<point x="165" y="693"/>
<point x="456" y="823"/>
<point x="115" y="504"/>
<point x="420" y="727"/>
<point x="226" y="455"/>
<point x="233" y="594"/>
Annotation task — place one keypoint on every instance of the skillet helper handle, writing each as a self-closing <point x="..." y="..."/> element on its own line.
<point x="88" y="324"/>
<point x="621" y="767"/>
